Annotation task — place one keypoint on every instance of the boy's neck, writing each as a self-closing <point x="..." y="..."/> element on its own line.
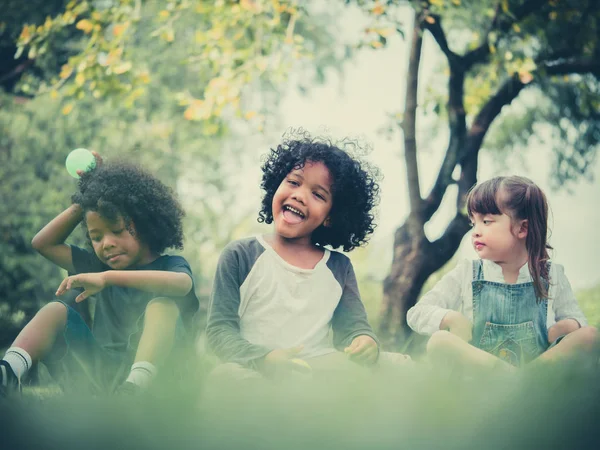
<point x="301" y="252"/>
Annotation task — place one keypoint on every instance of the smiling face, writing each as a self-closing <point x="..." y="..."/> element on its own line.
<point x="114" y="244"/>
<point x="303" y="201"/>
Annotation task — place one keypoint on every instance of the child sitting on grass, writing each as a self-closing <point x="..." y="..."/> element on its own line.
<point x="145" y="300"/>
<point x="276" y="297"/>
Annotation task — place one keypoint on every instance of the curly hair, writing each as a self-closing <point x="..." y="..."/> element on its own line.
<point x="355" y="188"/>
<point x="126" y="190"/>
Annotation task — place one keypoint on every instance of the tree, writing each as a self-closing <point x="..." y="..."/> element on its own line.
<point x="544" y="53"/>
<point x="233" y="48"/>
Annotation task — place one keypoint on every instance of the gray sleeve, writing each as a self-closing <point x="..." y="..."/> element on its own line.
<point x="223" y="327"/>
<point x="349" y="318"/>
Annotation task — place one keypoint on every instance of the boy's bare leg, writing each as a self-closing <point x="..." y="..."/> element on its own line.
<point x="158" y="336"/>
<point x="39" y="335"/>
<point x="446" y="347"/>
<point x="582" y="339"/>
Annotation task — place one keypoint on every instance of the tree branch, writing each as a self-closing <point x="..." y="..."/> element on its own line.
<point x="501" y="23"/>
<point x="410" y="115"/>
<point x="573" y="66"/>
<point x="439" y="35"/>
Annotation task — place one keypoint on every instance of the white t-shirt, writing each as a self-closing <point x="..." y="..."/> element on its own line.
<point x="454" y="293"/>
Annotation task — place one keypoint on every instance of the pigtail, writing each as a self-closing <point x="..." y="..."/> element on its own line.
<point x="536" y="205"/>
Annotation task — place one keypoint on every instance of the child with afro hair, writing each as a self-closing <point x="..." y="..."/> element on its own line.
<point x="275" y="297"/>
<point x="144" y="299"/>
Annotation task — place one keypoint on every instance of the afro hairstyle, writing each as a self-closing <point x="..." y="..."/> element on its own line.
<point x="355" y="188"/>
<point x="125" y="190"/>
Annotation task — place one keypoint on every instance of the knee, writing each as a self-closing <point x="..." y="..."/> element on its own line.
<point x="163" y="310"/>
<point x="439" y="341"/>
<point x="588" y="337"/>
<point x="54" y="310"/>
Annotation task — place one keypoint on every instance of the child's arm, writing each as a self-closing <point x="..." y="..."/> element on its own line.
<point x="351" y="330"/>
<point x="438" y="308"/>
<point x="159" y="282"/>
<point x="568" y="314"/>
<point x="223" y="327"/>
<point x="50" y="240"/>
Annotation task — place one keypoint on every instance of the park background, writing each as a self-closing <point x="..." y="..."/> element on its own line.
<point x="198" y="91"/>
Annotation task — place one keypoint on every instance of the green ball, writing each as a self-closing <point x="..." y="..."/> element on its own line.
<point x="80" y="159"/>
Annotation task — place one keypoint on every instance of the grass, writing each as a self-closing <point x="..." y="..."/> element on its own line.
<point x="409" y="408"/>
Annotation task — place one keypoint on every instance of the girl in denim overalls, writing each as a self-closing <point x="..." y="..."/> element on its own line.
<point x="512" y="305"/>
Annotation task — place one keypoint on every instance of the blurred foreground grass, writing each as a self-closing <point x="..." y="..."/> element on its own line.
<point x="412" y="407"/>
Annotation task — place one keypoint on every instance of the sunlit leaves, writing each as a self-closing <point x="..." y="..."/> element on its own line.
<point x="234" y="44"/>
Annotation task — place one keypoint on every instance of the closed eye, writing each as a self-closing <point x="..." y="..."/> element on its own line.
<point x="319" y="196"/>
<point x="293" y="182"/>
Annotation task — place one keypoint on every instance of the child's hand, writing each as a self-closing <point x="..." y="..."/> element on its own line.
<point x="98" y="163"/>
<point x="363" y="349"/>
<point x="459" y="325"/>
<point x="562" y="328"/>
<point x="282" y="359"/>
<point x="90" y="282"/>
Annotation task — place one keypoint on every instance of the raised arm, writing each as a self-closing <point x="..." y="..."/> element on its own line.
<point x="50" y="240"/>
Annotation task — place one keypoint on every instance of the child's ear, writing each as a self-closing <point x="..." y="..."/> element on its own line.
<point x="523" y="229"/>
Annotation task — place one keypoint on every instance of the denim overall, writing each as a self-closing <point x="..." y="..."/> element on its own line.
<point x="508" y="321"/>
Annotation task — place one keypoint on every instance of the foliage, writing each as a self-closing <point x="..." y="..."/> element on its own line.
<point x="230" y="48"/>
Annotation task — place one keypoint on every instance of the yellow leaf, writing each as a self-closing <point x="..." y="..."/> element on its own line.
<point x="144" y="77"/>
<point x="122" y="68"/>
<point x="249" y="115"/>
<point x="119" y="28"/>
<point x="492" y="49"/>
<point x="437" y="2"/>
<point x="376" y="44"/>
<point x="53" y="94"/>
<point x="429" y="19"/>
<point x="85" y="25"/>
<point x="168" y="35"/>
<point x="198" y="110"/>
<point x="65" y="71"/>
<point x="378" y="9"/>
<point x="67" y="109"/>
<point x="456" y="2"/>
<point x="249" y="5"/>
<point x="517" y="28"/>
<point x="79" y="79"/>
<point x="163" y="14"/>
<point x="525" y="77"/>
<point x="25" y="34"/>
<point x="553" y="15"/>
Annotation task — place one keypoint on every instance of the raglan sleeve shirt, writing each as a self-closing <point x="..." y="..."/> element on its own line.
<point x="223" y="328"/>
<point x="350" y="318"/>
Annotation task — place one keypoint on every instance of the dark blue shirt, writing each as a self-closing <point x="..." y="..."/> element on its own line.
<point x="119" y="314"/>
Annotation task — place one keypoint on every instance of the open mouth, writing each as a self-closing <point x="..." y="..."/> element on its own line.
<point x="292" y="215"/>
